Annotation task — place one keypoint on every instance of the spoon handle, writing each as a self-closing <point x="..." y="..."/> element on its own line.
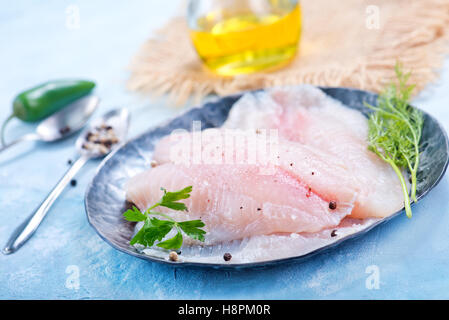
<point x="27" y="137"/>
<point x="30" y="225"/>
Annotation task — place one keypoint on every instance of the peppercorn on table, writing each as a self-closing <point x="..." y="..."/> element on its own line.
<point x="66" y="259"/>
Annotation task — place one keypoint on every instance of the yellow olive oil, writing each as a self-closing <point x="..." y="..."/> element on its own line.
<point x="245" y="43"/>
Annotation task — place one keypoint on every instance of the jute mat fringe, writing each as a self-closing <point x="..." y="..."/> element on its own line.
<point x="338" y="47"/>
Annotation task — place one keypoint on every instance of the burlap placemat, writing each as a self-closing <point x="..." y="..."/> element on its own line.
<point x="342" y="44"/>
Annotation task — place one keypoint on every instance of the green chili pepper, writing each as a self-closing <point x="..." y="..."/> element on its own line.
<point x="43" y="100"/>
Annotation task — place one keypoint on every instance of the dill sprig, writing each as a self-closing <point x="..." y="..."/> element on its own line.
<point x="395" y="130"/>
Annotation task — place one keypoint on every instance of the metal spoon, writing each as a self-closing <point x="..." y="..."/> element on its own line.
<point x="61" y="124"/>
<point x="118" y="120"/>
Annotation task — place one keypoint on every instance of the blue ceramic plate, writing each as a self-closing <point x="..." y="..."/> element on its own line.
<point x="105" y="196"/>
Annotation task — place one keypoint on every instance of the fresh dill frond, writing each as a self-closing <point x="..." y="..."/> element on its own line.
<point x="394" y="132"/>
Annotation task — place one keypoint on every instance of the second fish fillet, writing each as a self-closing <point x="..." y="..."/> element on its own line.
<point x="236" y="201"/>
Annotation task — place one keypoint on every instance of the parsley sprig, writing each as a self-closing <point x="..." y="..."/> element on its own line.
<point x="395" y="130"/>
<point x="155" y="229"/>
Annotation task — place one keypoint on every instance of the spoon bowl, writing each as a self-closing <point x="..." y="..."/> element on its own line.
<point x="68" y="120"/>
<point x="117" y="119"/>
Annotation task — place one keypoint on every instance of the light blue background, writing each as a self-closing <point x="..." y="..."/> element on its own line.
<point x="412" y="255"/>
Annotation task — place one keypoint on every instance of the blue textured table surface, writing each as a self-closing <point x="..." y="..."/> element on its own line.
<point x="67" y="260"/>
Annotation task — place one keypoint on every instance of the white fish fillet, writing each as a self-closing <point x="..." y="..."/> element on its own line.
<point x="306" y="115"/>
<point x="326" y="176"/>
<point x="236" y="201"/>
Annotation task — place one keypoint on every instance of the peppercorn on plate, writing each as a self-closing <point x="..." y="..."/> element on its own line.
<point x="254" y="179"/>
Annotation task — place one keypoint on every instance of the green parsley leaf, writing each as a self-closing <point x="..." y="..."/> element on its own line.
<point x="170" y="199"/>
<point x="138" y="238"/>
<point x="173" y="243"/>
<point x="176" y="195"/>
<point x="134" y="214"/>
<point x="156" y="229"/>
<point x="179" y="206"/>
<point x="192" y="229"/>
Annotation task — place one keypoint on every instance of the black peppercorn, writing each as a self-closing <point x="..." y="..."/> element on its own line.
<point x="333" y="205"/>
<point x="73" y="182"/>
<point x="227" y="256"/>
<point x="64" y="130"/>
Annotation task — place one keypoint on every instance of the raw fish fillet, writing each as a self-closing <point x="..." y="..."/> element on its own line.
<point x="236" y="201"/>
<point x="326" y="176"/>
<point x="306" y="115"/>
